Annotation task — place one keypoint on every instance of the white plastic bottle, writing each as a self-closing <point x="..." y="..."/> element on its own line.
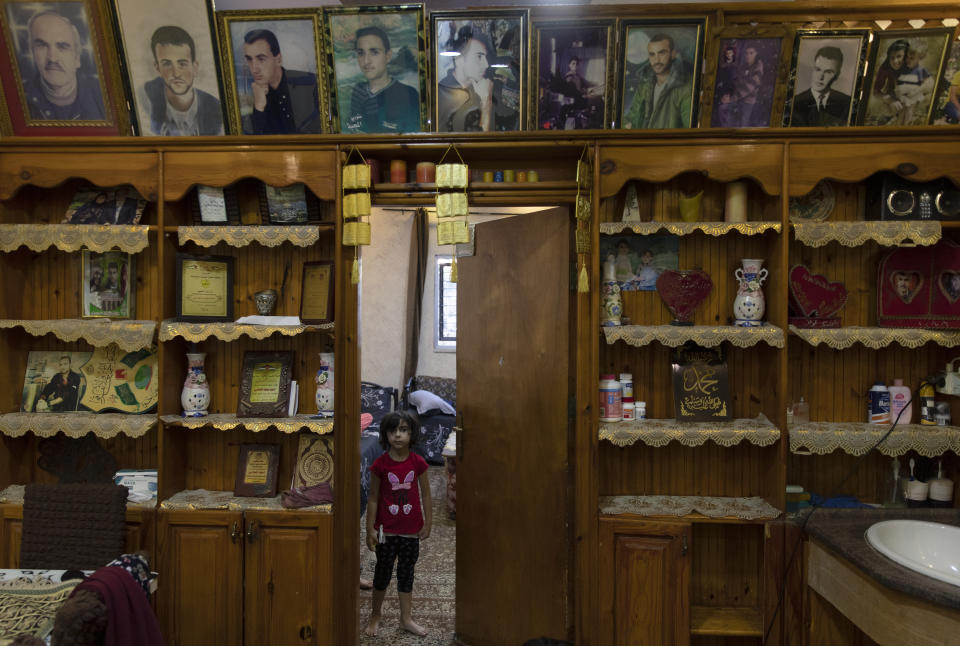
<point x="629" y="410"/>
<point x="900" y="401"/>
<point x="878" y="404"/>
<point x="610" y="402"/>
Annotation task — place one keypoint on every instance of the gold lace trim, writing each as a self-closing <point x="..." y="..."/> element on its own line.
<point x="660" y="432"/>
<point x="197" y="332"/>
<point x="103" y="425"/>
<point x="685" y="228"/>
<point x="131" y="238"/>
<point x="229" y="421"/>
<point x="241" y="236"/>
<point x="129" y="335"/>
<point x="194" y="499"/>
<point x="856" y="438"/>
<point x="854" y="234"/>
<point x="755" y="508"/>
<point x="674" y="336"/>
<point x="876" y="337"/>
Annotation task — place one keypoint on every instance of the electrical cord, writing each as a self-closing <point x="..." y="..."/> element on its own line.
<point x="796" y="548"/>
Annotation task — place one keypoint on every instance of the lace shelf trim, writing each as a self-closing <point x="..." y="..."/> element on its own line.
<point x="229" y="421"/>
<point x="755" y="508"/>
<point x="674" y="336"/>
<point x="241" y="236"/>
<point x="197" y="499"/>
<point x="854" y="234"/>
<point x="103" y="425"/>
<point x="132" y="238"/>
<point x="660" y="432"/>
<point x="856" y="438"/>
<point x="129" y="335"/>
<point x="876" y="337"/>
<point x="197" y="332"/>
<point x="686" y="228"/>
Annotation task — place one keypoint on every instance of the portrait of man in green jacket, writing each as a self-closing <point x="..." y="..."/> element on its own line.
<point x="663" y="94"/>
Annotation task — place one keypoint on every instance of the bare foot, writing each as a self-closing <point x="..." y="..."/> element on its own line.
<point x="373" y="624"/>
<point x="413" y="627"/>
<point x="365" y="584"/>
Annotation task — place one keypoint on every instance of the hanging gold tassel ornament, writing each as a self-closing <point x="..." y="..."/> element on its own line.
<point x="453" y="270"/>
<point x="355" y="271"/>
<point x="583" y="282"/>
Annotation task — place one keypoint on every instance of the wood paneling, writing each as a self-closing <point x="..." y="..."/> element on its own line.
<point x="48" y="169"/>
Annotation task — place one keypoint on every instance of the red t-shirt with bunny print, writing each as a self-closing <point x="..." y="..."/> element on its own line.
<point x="399" y="510"/>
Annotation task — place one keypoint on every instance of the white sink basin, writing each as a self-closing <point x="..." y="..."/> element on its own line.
<point x="932" y="549"/>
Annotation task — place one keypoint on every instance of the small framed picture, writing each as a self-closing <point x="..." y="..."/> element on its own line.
<point x="946" y="107"/>
<point x="204" y="288"/>
<point x="58" y="72"/>
<point x="479" y="69"/>
<point x="171" y="65"/>
<point x="665" y="54"/>
<point x="824" y="83"/>
<point x="271" y="71"/>
<point x="215" y="205"/>
<point x="109" y="205"/>
<point x="639" y="260"/>
<point x="108" y="284"/>
<point x="904" y="68"/>
<point x="572" y="75"/>
<point x="257" y="468"/>
<point x="286" y="204"/>
<point x="378" y="68"/>
<point x="746" y="74"/>
<point x="265" y="384"/>
<point x="316" y="297"/>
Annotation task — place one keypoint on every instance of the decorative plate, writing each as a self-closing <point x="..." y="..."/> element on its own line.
<point x="815" y="206"/>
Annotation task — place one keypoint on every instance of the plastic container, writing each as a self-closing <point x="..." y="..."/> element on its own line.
<point x="941" y="489"/>
<point x="611" y="409"/>
<point x="878" y="406"/>
<point x="641" y="410"/>
<point x="928" y="410"/>
<point x="629" y="410"/>
<point x="900" y="401"/>
<point x="626" y="385"/>
<point x="801" y="412"/>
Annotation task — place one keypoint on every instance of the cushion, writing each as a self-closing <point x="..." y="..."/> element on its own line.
<point x="424" y="400"/>
<point x="445" y="387"/>
<point x="377" y="400"/>
<point x="435" y="428"/>
<point x="31" y="608"/>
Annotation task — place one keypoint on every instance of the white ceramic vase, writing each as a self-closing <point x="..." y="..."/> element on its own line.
<point x="324" y="382"/>
<point x="195" y="396"/>
<point x="750" y="304"/>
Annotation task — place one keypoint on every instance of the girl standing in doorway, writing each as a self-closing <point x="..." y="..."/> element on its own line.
<point x="399" y="515"/>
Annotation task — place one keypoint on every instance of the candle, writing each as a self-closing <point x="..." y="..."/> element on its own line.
<point x="374" y="165"/>
<point x="488" y="175"/>
<point x="398" y="171"/>
<point x="426" y="172"/>
<point x="521" y="175"/>
<point x="533" y="176"/>
<point x="509" y="176"/>
<point x="498" y="176"/>
<point x="735" y="209"/>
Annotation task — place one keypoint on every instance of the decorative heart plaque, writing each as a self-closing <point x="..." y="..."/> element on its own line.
<point x="815" y="298"/>
<point x="682" y="292"/>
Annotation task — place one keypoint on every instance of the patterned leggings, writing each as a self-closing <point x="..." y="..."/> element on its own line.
<point x="405" y="551"/>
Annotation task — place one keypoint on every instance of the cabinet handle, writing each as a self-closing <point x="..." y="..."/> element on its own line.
<point x="306" y="632"/>
<point x="683" y="545"/>
<point x="251" y="531"/>
<point x="235" y="532"/>
<point x="458" y="429"/>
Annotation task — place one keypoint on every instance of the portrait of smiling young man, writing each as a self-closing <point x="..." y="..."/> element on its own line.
<point x="380" y="103"/>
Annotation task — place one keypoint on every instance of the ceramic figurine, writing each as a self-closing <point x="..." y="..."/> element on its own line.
<point x="195" y="396"/>
<point x="611" y="306"/>
<point x="324" y="382"/>
<point x="749" y="304"/>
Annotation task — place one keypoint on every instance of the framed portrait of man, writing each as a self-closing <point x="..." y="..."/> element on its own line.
<point x="171" y="63"/>
<point x="271" y="62"/>
<point x="572" y="75"/>
<point x="378" y="68"/>
<point x="946" y="106"/>
<point x="746" y="76"/>
<point x="59" y="70"/>
<point x="903" y="72"/>
<point x="824" y="83"/>
<point x="479" y="70"/>
<point x="660" y="74"/>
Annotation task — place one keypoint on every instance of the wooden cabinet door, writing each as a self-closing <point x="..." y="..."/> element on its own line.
<point x="288" y="579"/>
<point x="11" y="531"/>
<point x="200" y="594"/>
<point x="644" y="581"/>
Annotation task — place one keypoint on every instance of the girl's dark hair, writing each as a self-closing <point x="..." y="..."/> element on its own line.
<point x="391" y="421"/>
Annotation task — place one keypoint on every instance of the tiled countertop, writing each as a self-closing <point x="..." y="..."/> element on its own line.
<point x="842" y="530"/>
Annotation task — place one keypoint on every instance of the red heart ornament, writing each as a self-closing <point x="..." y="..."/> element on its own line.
<point x="683" y="291"/>
<point x="813" y="295"/>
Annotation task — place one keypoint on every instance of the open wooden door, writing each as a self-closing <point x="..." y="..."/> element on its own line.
<point x="514" y="501"/>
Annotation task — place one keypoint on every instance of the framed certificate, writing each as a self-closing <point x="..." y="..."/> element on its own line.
<point x="316" y="297"/>
<point x="265" y="384"/>
<point x="257" y="470"/>
<point x="215" y="206"/>
<point x="204" y="288"/>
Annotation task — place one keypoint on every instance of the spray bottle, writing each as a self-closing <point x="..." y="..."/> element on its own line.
<point x="928" y="413"/>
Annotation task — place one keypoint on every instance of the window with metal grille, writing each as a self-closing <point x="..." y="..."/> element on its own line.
<point x="445" y="306"/>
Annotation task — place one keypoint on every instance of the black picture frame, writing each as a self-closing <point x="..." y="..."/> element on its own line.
<point x="254" y="398"/>
<point x="257" y="469"/>
<point x="309" y="291"/>
<point x="215" y="264"/>
<point x="201" y="209"/>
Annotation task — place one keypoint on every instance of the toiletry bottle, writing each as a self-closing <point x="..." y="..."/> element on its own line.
<point x="801" y="412"/>
<point x="629" y="409"/>
<point x="941" y="489"/>
<point x="610" y="410"/>
<point x="878" y="407"/>
<point x="626" y="385"/>
<point x="641" y="410"/>
<point x="900" y="401"/>
<point x="928" y="411"/>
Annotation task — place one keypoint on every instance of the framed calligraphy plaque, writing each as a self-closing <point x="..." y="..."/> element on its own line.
<point x="701" y="392"/>
<point x="265" y="384"/>
<point x="257" y="470"/>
